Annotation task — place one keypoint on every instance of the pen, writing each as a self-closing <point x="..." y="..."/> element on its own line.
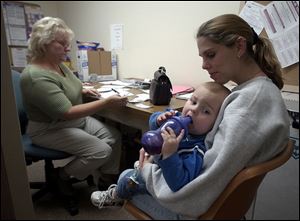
<point x="116" y="91"/>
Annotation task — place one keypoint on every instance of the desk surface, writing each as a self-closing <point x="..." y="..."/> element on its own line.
<point x="136" y="117"/>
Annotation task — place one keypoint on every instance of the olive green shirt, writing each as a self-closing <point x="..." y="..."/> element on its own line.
<point x="47" y="95"/>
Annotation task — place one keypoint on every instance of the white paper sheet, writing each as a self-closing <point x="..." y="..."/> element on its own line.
<point x="139" y="98"/>
<point x="15" y="22"/>
<point x="251" y="13"/>
<point x="142" y="106"/>
<point x="19" y="57"/>
<point x="184" y="96"/>
<point x="116" y="36"/>
<point x="291" y="101"/>
<point x="117" y="82"/>
<point x="282" y="26"/>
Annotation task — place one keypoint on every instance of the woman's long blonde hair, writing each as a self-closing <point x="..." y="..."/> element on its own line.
<point x="225" y="30"/>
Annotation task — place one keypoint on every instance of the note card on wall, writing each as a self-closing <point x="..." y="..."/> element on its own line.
<point x="116" y="36"/>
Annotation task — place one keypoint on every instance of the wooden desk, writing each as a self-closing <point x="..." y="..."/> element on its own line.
<point x="138" y="117"/>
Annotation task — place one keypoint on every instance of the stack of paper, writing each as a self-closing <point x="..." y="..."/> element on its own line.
<point x="184" y="96"/>
<point x="291" y="100"/>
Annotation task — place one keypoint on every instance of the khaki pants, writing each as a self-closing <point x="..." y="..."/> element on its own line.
<point x="96" y="146"/>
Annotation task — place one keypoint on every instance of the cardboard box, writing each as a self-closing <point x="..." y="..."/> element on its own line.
<point x="95" y="62"/>
<point x="99" y="62"/>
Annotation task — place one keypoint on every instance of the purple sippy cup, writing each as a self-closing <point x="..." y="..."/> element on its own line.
<point x="152" y="140"/>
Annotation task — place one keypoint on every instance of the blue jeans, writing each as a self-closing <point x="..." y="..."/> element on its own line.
<point x="125" y="189"/>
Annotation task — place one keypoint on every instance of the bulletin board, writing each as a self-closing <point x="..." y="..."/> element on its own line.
<point x="19" y="18"/>
<point x="290" y="73"/>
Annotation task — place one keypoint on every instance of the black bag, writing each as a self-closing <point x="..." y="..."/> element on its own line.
<point x="160" y="88"/>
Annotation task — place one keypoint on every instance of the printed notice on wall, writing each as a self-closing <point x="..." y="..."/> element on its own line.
<point x="33" y="13"/>
<point x="14" y="19"/>
<point x="116" y="36"/>
<point x="251" y="13"/>
<point x="19" y="57"/>
<point x="282" y="26"/>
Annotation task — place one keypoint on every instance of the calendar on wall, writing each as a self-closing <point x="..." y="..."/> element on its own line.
<point x="15" y="25"/>
<point x="33" y="13"/>
<point x="18" y="21"/>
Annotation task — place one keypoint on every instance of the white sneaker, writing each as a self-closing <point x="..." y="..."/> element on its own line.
<point x="105" y="198"/>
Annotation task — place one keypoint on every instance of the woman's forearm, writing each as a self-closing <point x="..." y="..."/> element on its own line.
<point x="86" y="109"/>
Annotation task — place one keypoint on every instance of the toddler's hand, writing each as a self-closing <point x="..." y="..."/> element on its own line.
<point x="144" y="158"/>
<point x="164" y="116"/>
<point x="171" y="142"/>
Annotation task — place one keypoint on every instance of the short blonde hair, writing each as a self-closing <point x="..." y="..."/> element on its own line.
<point x="216" y="88"/>
<point x="43" y="32"/>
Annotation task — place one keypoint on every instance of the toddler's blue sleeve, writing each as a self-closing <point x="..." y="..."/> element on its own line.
<point x="152" y="120"/>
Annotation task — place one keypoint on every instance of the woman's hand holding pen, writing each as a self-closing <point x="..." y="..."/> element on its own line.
<point x="112" y="101"/>
<point x="117" y="100"/>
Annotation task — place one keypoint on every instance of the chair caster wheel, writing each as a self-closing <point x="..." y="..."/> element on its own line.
<point x="90" y="180"/>
<point x="71" y="205"/>
<point x="73" y="211"/>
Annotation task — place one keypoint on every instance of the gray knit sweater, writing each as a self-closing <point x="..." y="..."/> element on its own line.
<point x="252" y="127"/>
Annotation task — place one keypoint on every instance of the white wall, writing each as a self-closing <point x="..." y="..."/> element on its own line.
<point x="156" y="33"/>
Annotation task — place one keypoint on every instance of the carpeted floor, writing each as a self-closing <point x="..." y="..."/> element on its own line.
<point x="50" y="207"/>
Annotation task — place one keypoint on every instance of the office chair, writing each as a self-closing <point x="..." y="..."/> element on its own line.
<point x="34" y="153"/>
<point x="237" y="197"/>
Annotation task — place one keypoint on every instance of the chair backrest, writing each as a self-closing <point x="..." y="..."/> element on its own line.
<point x="32" y="152"/>
<point x="19" y="102"/>
<point x="236" y="198"/>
